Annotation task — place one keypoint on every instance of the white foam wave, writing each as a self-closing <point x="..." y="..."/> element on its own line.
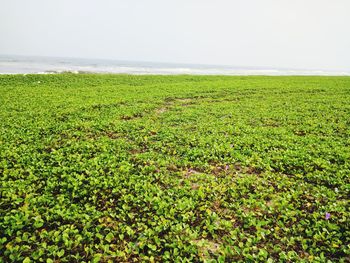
<point x="53" y="66"/>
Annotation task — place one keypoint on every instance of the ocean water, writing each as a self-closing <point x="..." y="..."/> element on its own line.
<point x="48" y="65"/>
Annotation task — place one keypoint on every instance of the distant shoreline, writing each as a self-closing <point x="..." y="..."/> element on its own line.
<point x="235" y="74"/>
<point x="47" y="65"/>
<point x="167" y="75"/>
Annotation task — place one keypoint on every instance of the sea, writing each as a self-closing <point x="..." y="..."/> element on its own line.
<point x="52" y="65"/>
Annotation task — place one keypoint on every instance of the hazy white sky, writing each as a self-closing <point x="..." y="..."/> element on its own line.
<point x="305" y="34"/>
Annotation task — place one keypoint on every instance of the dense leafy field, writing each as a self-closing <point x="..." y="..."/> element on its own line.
<point x="174" y="168"/>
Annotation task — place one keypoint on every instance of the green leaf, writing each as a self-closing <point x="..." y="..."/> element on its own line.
<point x="96" y="258"/>
<point x="60" y="253"/>
<point x="109" y="237"/>
<point x="152" y="247"/>
<point x="38" y="223"/>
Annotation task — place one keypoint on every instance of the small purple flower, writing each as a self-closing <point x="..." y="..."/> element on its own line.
<point x="227" y="167"/>
<point x="328" y="216"/>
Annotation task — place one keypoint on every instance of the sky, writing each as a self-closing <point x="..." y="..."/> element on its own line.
<point x="292" y="34"/>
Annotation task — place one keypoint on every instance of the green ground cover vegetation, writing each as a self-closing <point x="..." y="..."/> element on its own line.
<point x="120" y="168"/>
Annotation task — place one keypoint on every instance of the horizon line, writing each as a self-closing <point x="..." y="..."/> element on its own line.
<point x="266" y="68"/>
